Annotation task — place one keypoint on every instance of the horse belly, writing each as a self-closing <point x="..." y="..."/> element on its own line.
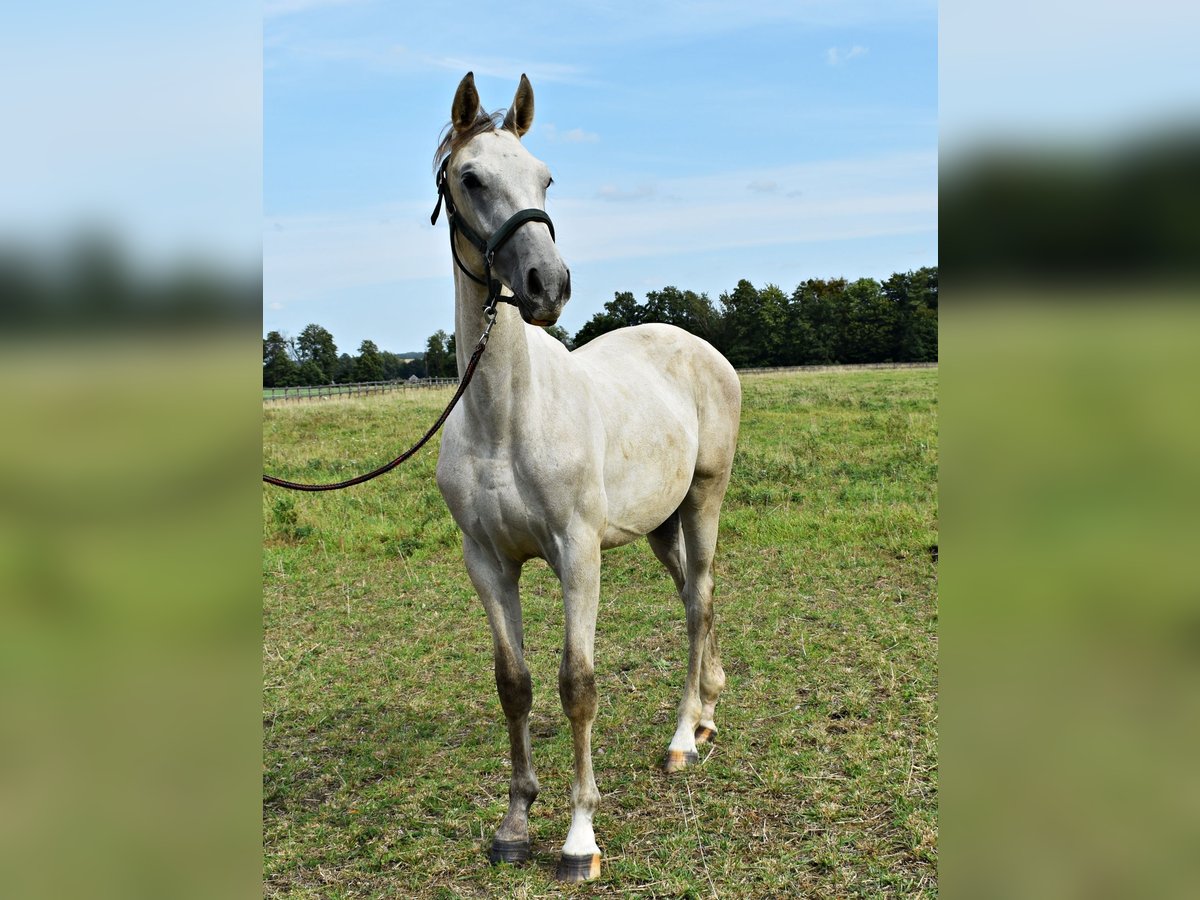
<point x="646" y="480"/>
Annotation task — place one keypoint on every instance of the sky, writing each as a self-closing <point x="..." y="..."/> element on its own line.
<point x="692" y="144"/>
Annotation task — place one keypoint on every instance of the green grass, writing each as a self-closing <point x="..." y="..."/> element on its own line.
<point x="385" y="748"/>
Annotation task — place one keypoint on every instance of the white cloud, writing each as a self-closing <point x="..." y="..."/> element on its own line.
<point x="273" y="9"/>
<point x="763" y="186"/>
<point x="575" y="136"/>
<point x="616" y="194"/>
<point x="836" y="56"/>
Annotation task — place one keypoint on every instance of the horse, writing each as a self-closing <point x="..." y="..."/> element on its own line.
<point x="561" y="455"/>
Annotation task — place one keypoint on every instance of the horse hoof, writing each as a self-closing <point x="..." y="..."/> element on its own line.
<point x="704" y="734"/>
<point x="513" y="852"/>
<point x="680" y="759"/>
<point x="578" y="868"/>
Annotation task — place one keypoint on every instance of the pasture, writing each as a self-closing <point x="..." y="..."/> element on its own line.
<point x="385" y="751"/>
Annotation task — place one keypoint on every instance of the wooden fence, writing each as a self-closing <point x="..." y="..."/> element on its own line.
<point x="360" y="389"/>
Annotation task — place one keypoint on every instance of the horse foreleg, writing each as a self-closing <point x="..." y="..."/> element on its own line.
<point x="579" y="571"/>
<point x="495" y="581"/>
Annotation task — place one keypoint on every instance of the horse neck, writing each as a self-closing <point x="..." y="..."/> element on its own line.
<point x="501" y="379"/>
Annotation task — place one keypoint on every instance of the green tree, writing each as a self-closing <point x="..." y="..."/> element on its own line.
<point x="797" y="343"/>
<point x="368" y="366"/>
<point x="870" y="323"/>
<point x="279" y="370"/>
<point x="310" y="373"/>
<point x="752" y="322"/>
<point x="823" y="307"/>
<point x="315" y="345"/>
<point x="439" y="362"/>
<point x="559" y="334"/>
<point x="685" y="309"/>
<point x="915" y="297"/>
<point x="343" y="373"/>
<point x="622" y="310"/>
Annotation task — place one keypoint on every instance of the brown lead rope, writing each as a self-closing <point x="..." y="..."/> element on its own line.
<point x="466" y="379"/>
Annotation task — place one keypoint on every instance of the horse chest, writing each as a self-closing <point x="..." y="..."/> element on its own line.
<point x="503" y="501"/>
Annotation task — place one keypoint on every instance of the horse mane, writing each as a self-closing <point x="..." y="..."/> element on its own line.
<point x="450" y="140"/>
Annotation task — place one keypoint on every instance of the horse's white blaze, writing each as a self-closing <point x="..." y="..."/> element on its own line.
<point x="561" y="455"/>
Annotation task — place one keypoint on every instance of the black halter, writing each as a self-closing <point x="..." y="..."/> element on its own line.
<point x="487" y="248"/>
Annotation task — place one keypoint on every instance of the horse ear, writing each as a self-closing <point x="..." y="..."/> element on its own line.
<point x="520" y="115"/>
<point x="466" y="104"/>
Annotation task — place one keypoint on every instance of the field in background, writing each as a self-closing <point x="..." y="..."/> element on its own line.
<point x="384" y="744"/>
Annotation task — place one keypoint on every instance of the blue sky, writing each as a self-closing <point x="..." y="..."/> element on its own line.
<point x="692" y="144"/>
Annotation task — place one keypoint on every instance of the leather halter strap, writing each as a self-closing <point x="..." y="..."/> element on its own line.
<point x="487" y="248"/>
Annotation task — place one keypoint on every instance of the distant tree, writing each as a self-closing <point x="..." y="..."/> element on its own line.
<point x="315" y="345"/>
<point x="343" y="373"/>
<point x="310" y="373"/>
<point x="368" y="366"/>
<point x="559" y="334"/>
<point x="620" y="311"/>
<point x="915" y="297"/>
<point x="797" y="343"/>
<point x="870" y="323"/>
<point x="686" y="309"/>
<point x="773" y="308"/>
<point x="752" y="320"/>
<point x="823" y="307"/>
<point x="439" y="358"/>
<point x="279" y="370"/>
<point x="393" y="365"/>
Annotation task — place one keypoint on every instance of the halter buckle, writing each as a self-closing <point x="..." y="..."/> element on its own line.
<point x="490" y="312"/>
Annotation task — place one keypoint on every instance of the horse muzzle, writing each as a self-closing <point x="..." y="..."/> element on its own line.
<point x="545" y="292"/>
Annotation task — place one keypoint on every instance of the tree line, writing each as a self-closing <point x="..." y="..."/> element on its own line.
<point x="312" y="358"/>
<point x="821" y="322"/>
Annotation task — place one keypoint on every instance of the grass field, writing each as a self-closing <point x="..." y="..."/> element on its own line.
<point x="385" y="750"/>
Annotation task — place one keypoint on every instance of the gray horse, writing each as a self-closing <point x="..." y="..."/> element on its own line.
<point x="563" y="455"/>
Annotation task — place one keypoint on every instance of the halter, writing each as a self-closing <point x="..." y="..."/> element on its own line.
<point x="487" y="248"/>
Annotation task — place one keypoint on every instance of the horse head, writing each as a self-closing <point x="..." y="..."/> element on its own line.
<point x="492" y="179"/>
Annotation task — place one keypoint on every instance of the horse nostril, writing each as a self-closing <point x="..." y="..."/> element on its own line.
<point x="534" y="282"/>
<point x="566" y="294"/>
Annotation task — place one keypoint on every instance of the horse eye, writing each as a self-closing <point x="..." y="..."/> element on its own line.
<point x="548" y="183"/>
<point x="470" y="181"/>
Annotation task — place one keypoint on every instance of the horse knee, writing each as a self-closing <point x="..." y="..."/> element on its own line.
<point x="514" y="685"/>
<point x="577" y="687"/>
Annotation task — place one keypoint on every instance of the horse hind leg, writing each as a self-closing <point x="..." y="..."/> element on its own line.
<point x="668" y="545"/>
<point x="699" y="516"/>
<point x="712" y="682"/>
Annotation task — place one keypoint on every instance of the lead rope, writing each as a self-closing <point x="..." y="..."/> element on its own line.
<point x="490" y="311"/>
